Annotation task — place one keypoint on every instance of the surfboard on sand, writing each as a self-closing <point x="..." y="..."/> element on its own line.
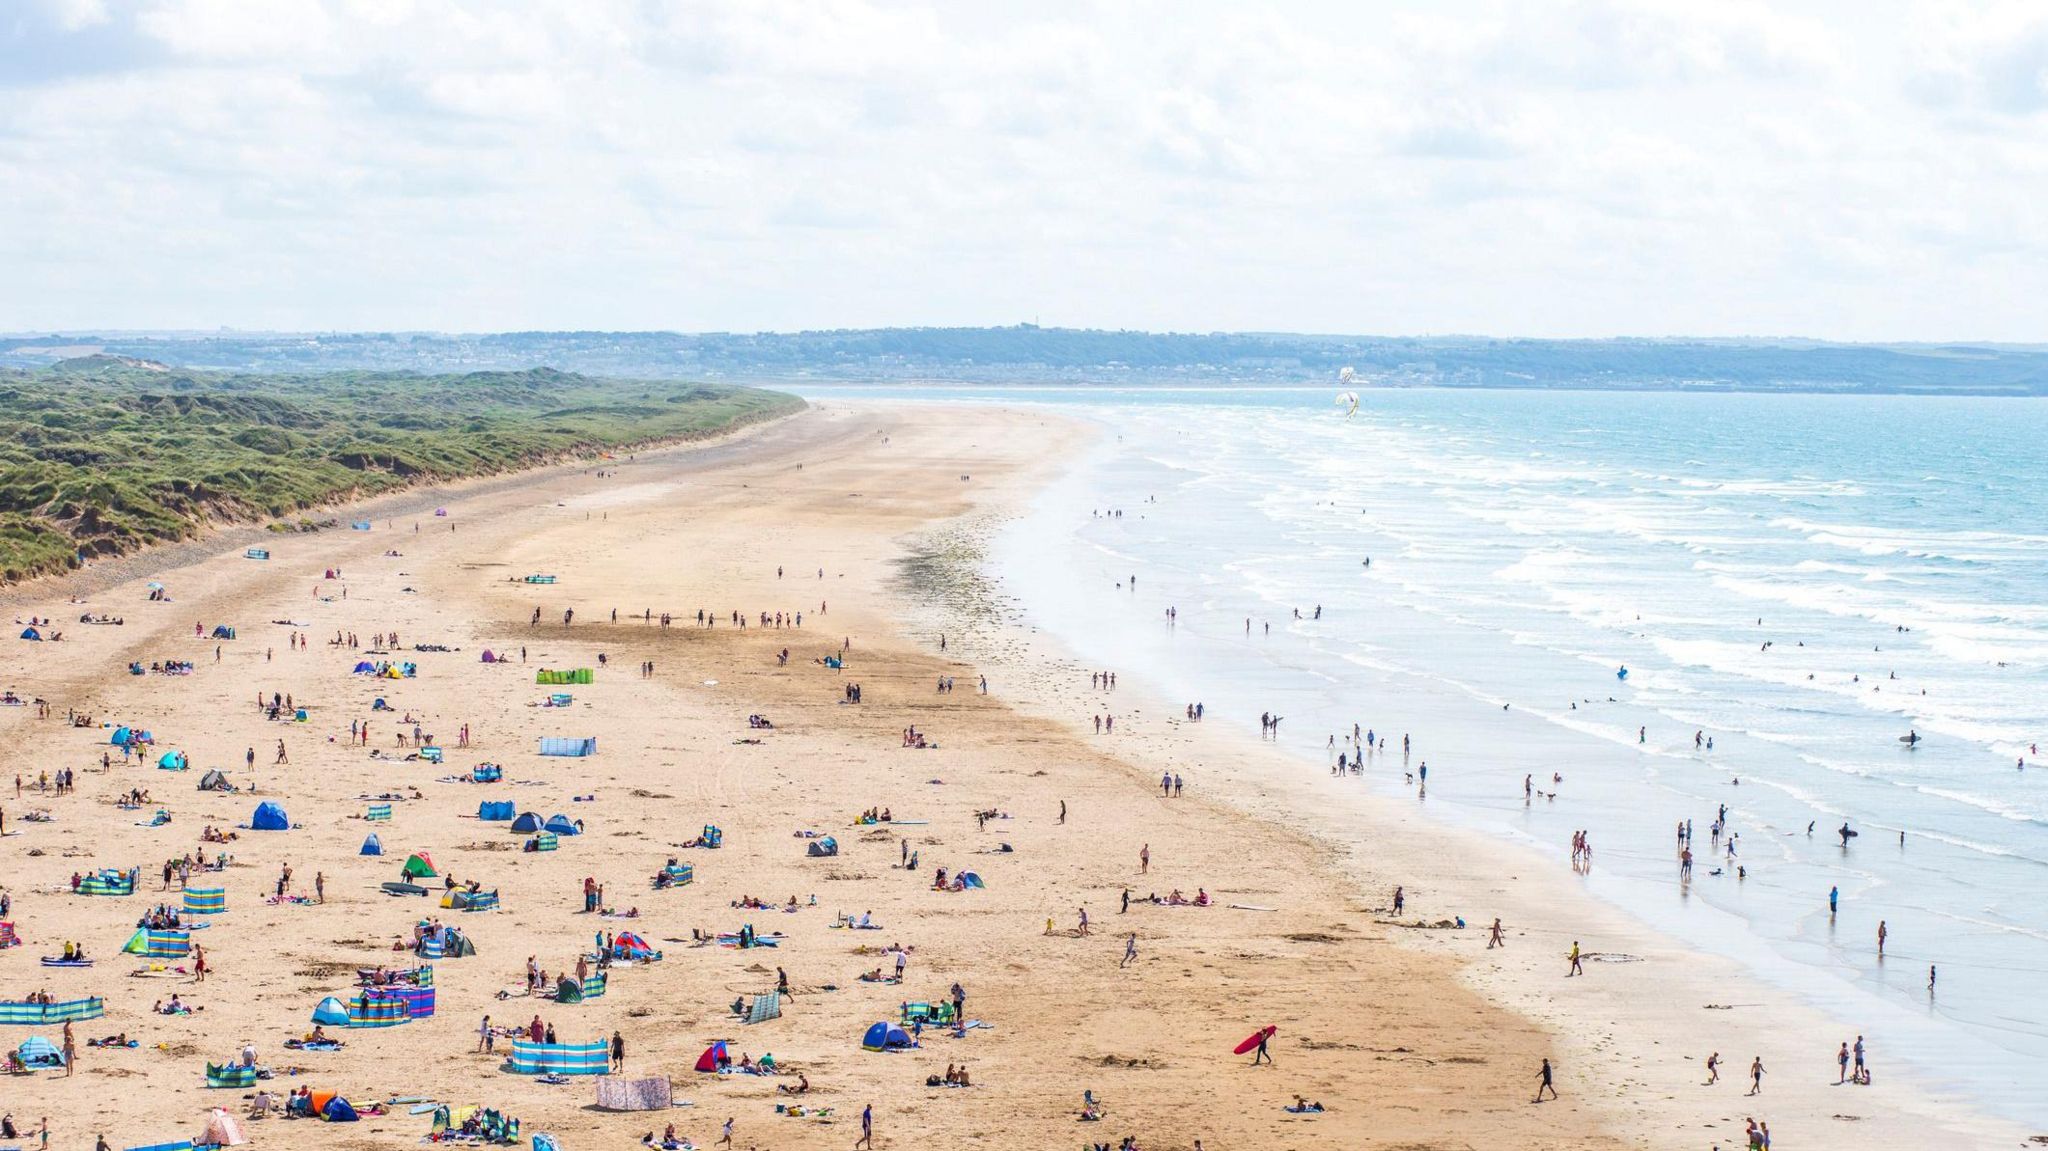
<point x="1257" y="1037"/>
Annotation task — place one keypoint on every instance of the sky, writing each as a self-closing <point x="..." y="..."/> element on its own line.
<point x="1874" y="170"/>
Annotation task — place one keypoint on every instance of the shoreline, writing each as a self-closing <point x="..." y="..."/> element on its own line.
<point x="1402" y="1044"/>
<point x="1382" y="841"/>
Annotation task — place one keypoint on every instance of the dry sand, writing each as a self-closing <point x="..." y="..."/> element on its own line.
<point x="1400" y="1032"/>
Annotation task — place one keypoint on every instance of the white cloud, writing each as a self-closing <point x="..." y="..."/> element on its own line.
<point x="1850" y="170"/>
<point x="76" y="15"/>
<point x="1984" y="57"/>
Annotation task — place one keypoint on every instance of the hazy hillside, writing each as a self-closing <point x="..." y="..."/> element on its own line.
<point x="1027" y="354"/>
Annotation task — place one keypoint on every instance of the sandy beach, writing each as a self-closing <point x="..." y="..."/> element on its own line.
<point x="869" y="522"/>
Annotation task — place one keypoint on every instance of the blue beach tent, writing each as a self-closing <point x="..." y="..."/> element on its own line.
<point x="269" y="817"/>
<point x="562" y="825"/>
<point x="527" y="823"/>
<point x="331" y="1012"/>
<point x="372" y="846"/>
<point x="37" y="1051"/>
<point x="885" y="1037"/>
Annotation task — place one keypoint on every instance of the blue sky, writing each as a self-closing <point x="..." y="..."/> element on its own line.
<point x="1867" y="171"/>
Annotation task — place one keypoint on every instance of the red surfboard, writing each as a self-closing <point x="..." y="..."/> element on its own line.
<point x="1258" y="1036"/>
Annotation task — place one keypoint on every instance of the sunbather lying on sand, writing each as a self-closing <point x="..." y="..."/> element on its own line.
<point x="668" y="1140"/>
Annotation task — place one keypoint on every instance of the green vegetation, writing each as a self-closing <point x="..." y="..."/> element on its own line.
<point x="103" y="455"/>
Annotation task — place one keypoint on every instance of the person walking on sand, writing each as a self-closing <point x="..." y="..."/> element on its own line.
<point x="70" y="1051"/>
<point x="1145" y="859"/>
<point x="1575" y="968"/>
<point x="1881" y="933"/>
<point x="1130" y="951"/>
<point x="1842" y="1064"/>
<point x="618" y="1052"/>
<point x="1543" y="1083"/>
<point x="1713" y="1068"/>
<point x="725" y="1137"/>
<point x="281" y="756"/>
<point x="484" y="1036"/>
<point x="867" y="1127"/>
<point x="1262" y="1055"/>
<point x="1756" y="1075"/>
<point x="1494" y="938"/>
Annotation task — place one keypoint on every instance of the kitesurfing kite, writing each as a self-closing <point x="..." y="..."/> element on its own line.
<point x="1348" y="400"/>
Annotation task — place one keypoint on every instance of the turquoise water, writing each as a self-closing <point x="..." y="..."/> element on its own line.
<point x="1891" y="551"/>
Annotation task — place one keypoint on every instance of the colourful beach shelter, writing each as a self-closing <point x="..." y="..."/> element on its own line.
<point x="885" y="1037"/>
<point x="712" y="1055"/>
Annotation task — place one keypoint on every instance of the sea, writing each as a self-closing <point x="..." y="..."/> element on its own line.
<point x="1801" y="579"/>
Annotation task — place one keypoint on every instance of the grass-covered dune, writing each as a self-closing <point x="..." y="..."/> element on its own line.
<point x="104" y="455"/>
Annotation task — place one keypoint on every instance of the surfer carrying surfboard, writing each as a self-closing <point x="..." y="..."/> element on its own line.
<point x="1256" y="1044"/>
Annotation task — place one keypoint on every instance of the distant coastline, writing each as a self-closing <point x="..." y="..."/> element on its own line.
<point x="1028" y="354"/>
